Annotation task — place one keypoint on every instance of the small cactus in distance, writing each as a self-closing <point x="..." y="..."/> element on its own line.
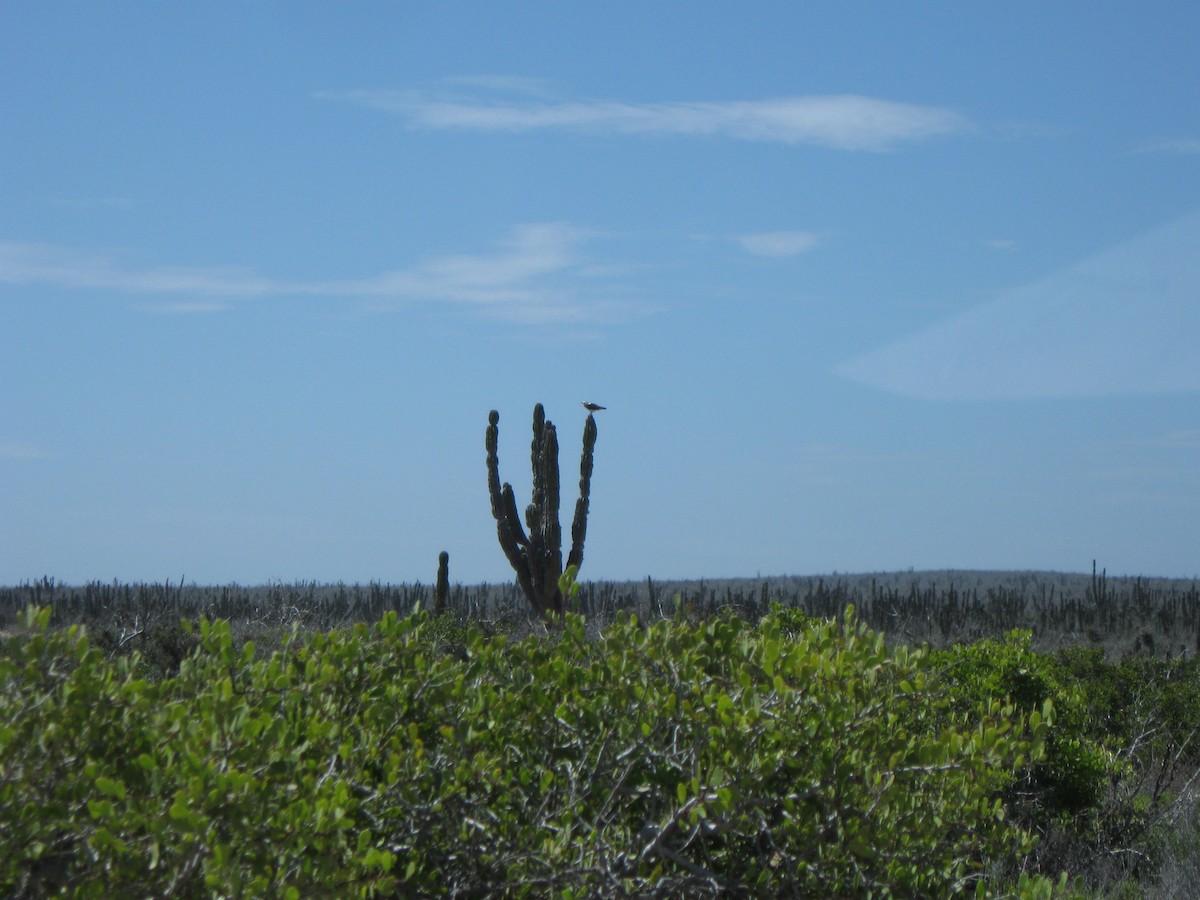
<point x="441" y="593"/>
<point x="537" y="557"/>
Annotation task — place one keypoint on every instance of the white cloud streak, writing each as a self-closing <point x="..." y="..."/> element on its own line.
<point x="1122" y="323"/>
<point x="507" y="276"/>
<point x="32" y="263"/>
<point x="845" y="121"/>
<point x="523" y="279"/>
<point x="1183" y="439"/>
<point x="778" y="243"/>
<point x="1176" y="146"/>
<point x="186" y="307"/>
<point x="21" y="450"/>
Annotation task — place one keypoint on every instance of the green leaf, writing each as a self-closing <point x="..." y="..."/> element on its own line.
<point x="111" y="787"/>
<point x="100" y="809"/>
<point x="179" y="808"/>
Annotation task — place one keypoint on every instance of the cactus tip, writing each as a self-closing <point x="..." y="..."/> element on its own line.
<point x="493" y="417"/>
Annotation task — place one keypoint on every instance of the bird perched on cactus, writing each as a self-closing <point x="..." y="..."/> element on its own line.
<point x="593" y="407"/>
<point x="537" y="556"/>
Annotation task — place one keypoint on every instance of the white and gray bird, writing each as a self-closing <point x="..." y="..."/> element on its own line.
<point x="592" y="407"/>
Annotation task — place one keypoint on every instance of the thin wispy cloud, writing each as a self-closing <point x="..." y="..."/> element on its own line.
<point x="506" y="84"/>
<point x="1177" y="146"/>
<point x="842" y="121"/>
<point x="820" y="463"/>
<point x="510" y="274"/>
<point x="1125" y="322"/>
<point x="536" y="274"/>
<point x="94" y="202"/>
<point x="187" y="307"/>
<point x="22" y="450"/>
<point x="778" y="243"/>
<point x="1183" y="439"/>
<point x="69" y="267"/>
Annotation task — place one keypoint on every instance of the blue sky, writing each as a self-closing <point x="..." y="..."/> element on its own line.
<point x="864" y="286"/>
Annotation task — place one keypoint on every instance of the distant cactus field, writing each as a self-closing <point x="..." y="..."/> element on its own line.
<point x="1122" y="616"/>
<point x="1075" y="775"/>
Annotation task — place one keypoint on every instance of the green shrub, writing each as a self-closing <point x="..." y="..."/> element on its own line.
<point x="1074" y="773"/>
<point x="791" y="621"/>
<point x="662" y="761"/>
<point x="1145" y="710"/>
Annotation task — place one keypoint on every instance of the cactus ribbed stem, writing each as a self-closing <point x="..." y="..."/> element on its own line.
<point x="579" y="522"/>
<point x="538" y="558"/>
<point x="441" y="593"/>
<point x="504" y="510"/>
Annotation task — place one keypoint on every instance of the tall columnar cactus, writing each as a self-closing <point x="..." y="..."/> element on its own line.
<point x="441" y="593"/>
<point x="537" y="557"/>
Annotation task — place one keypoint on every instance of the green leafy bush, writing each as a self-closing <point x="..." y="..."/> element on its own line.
<point x="661" y="761"/>
<point x="1074" y="772"/>
<point x="1146" y="712"/>
<point x="1147" y="708"/>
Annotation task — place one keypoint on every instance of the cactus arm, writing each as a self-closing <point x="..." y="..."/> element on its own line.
<point x="539" y="430"/>
<point x="551" y="530"/>
<point x="579" y="523"/>
<point x="502" y="500"/>
<point x="515" y="545"/>
<point x="504" y="504"/>
<point x="504" y="510"/>
<point x="535" y="463"/>
<point x="533" y="512"/>
<point x="511" y="518"/>
<point x="491" y="443"/>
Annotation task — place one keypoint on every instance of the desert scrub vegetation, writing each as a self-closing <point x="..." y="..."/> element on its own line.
<point x="1111" y="799"/>
<point x="1121" y="616"/>
<point x="420" y="756"/>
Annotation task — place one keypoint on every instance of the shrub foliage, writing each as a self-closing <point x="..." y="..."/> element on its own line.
<point x="1075" y="769"/>
<point x="801" y="758"/>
